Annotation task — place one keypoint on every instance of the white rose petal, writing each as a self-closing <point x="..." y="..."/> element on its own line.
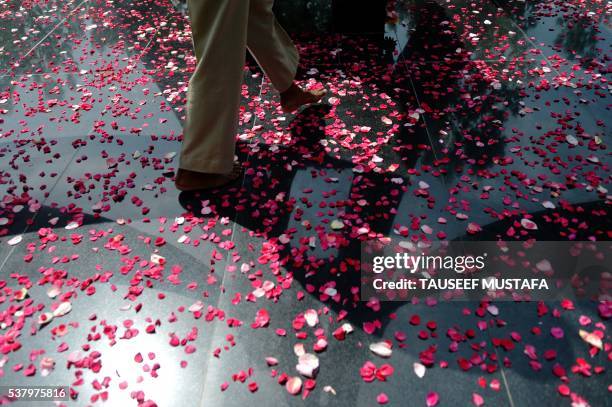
<point x="382" y="349"/>
<point x="15" y="240"/>
<point x="544" y="266"/>
<point x="307" y="365"/>
<point x="528" y="224"/>
<point x="294" y="385"/>
<point x="337" y="224"/>
<point x="45" y="318"/>
<point x="53" y="291"/>
<point x="329" y="389"/>
<point x="419" y="369"/>
<point x="298" y="349"/>
<point x="64" y="308"/>
<point x="312" y="318"/>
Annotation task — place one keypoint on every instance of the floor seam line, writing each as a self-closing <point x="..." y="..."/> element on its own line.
<point x="51" y="32"/>
<point x="227" y="259"/>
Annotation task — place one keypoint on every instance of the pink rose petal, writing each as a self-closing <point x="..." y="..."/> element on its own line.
<point x="432" y="399"/>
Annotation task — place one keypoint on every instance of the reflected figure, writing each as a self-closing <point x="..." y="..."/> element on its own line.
<point x="463" y="109"/>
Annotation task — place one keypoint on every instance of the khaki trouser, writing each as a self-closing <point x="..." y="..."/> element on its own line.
<point x="222" y="32"/>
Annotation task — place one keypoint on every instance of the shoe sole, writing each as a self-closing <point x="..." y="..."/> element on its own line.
<point x="187" y="189"/>
<point x="287" y="110"/>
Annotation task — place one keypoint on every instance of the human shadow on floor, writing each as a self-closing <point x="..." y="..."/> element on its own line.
<point x="275" y="203"/>
<point x="268" y="205"/>
<point x="316" y="255"/>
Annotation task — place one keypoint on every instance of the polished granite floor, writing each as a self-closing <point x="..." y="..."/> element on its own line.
<point x="463" y="120"/>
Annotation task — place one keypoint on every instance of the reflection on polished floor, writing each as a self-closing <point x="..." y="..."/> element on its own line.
<point x="460" y="122"/>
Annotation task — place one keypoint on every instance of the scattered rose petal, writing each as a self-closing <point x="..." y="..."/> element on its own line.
<point x="45" y="318"/>
<point x="419" y="369"/>
<point x="382" y="398"/>
<point x="294" y="385"/>
<point x="308" y="364"/>
<point x="62" y="309"/>
<point x="382" y="349"/>
<point x="15" y="240"/>
<point x="312" y="318"/>
<point x="528" y="224"/>
<point x="432" y="399"/>
<point x="329" y="389"/>
<point x="591" y="339"/>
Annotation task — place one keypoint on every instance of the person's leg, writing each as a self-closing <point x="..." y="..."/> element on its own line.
<point x="276" y="55"/>
<point x="219" y="31"/>
<point x="270" y="45"/>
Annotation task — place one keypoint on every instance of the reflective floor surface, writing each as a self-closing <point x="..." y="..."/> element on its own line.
<point x="464" y="120"/>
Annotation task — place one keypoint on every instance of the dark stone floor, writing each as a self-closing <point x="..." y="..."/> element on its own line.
<point x="466" y="118"/>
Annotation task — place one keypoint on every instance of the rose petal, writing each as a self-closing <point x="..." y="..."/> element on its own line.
<point x="591" y="339"/>
<point x="382" y="349"/>
<point x="62" y="309"/>
<point x="45" y="318"/>
<point x="557" y="332"/>
<point x="294" y="385"/>
<point x="382" y="398"/>
<point x="432" y="399"/>
<point x="337" y="224"/>
<point x="477" y="399"/>
<point x="299" y="349"/>
<point x="419" y="369"/>
<point x="329" y="389"/>
<point x="308" y="364"/>
<point x="15" y="240"/>
<point x="270" y="361"/>
<point x="528" y="224"/>
<point x="312" y="318"/>
<point x="53" y="291"/>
